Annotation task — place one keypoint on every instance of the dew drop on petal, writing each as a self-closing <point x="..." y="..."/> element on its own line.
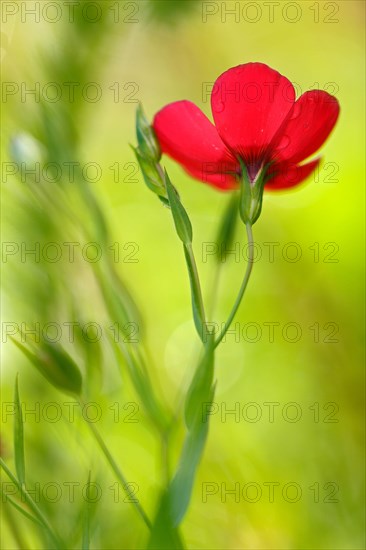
<point x="219" y="106"/>
<point x="285" y="141"/>
<point x="296" y="111"/>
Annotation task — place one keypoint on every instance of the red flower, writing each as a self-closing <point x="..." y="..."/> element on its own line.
<point x="258" y="123"/>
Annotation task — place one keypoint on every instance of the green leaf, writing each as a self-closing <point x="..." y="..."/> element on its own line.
<point x="196" y="294"/>
<point x="200" y="389"/>
<point x="55" y="365"/>
<point x="182" y="222"/>
<point x="152" y="174"/>
<point x="200" y="393"/>
<point x="146" y="138"/>
<point x="18" y="437"/>
<point x="183" y="481"/>
<point x="164" y="535"/>
<point x="86" y="521"/>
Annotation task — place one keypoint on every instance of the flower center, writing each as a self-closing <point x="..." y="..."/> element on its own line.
<point x="254" y="169"/>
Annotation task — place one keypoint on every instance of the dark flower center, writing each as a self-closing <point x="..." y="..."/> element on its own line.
<point x="254" y="169"/>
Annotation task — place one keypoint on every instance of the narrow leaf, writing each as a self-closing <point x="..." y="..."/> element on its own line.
<point x="196" y="294"/>
<point x="200" y="394"/>
<point x="182" y="222"/>
<point x="86" y="521"/>
<point x="183" y="481"/>
<point x="18" y="436"/>
<point x="201" y="386"/>
<point x="164" y="535"/>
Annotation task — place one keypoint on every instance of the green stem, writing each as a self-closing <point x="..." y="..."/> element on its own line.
<point x="117" y="470"/>
<point x="215" y="290"/>
<point x="33" y="506"/>
<point x="223" y="239"/>
<point x="197" y="300"/>
<point x="243" y="285"/>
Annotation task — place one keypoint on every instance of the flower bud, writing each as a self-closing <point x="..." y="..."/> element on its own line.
<point x="52" y="361"/>
<point x="251" y="195"/>
<point x="148" y="144"/>
<point x="152" y="175"/>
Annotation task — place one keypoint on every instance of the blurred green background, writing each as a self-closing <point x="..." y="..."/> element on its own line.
<point x="157" y="52"/>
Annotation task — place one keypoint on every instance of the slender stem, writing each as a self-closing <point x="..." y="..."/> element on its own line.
<point x="117" y="470"/>
<point x="224" y="237"/>
<point x="197" y="300"/>
<point x="243" y="285"/>
<point x="215" y="290"/>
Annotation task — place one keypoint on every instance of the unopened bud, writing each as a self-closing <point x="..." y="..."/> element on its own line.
<point x="147" y="142"/>
<point x="55" y="364"/>
<point x="153" y="176"/>
<point x="251" y="195"/>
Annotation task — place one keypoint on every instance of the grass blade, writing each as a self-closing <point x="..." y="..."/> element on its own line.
<point x="58" y="543"/>
<point x="86" y="522"/>
<point x="18" y="437"/>
<point x="182" y="484"/>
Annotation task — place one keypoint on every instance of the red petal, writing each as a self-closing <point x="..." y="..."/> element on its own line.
<point x="313" y="118"/>
<point x="249" y="104"/>
<point x="291" y="175"/>
<point x="187" y="135"/>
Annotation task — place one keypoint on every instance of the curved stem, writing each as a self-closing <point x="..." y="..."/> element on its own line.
<point x="243" y="285"/>
<point x="214" y="291"/>
<point x="224" y="237"/>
